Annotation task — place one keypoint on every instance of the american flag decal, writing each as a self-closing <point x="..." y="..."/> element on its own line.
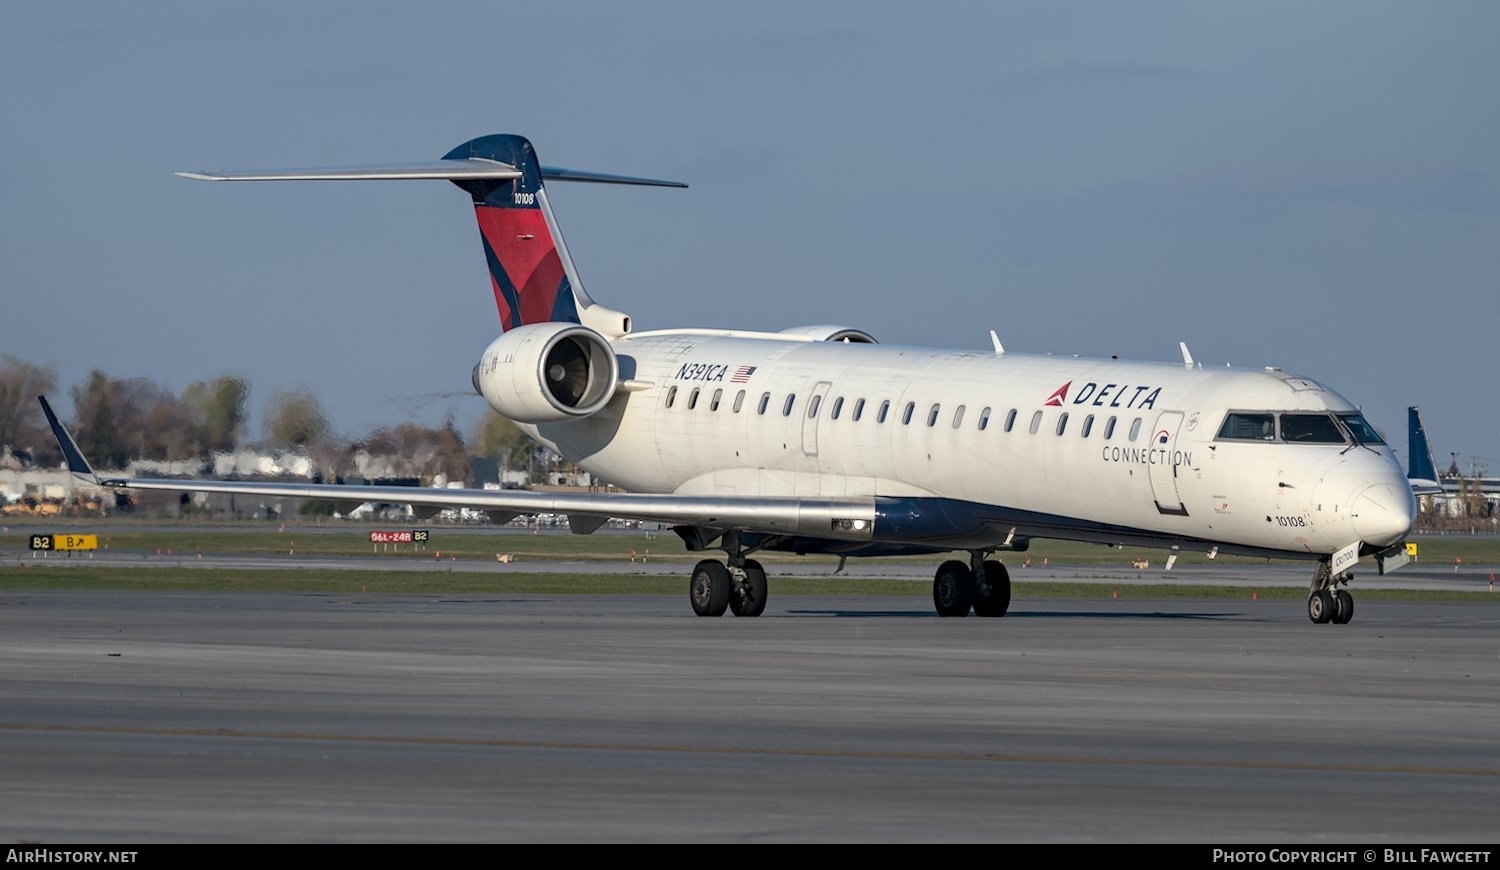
<point x="742" y="375"/>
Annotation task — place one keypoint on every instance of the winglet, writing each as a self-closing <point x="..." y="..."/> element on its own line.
<point x="76" y="463"/>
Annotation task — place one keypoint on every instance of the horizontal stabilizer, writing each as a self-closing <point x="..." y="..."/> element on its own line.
<point x="440" y="170"/>
<point x="532" y="277"/>
<point x="559" y="173"/>
<point x="436" y="170"/>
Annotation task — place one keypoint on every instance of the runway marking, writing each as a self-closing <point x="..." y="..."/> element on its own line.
<point x="988" y="757"/>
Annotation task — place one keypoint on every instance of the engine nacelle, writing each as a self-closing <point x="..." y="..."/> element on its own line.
<point x="832" y="332"/>
<point x="547" y="372"/>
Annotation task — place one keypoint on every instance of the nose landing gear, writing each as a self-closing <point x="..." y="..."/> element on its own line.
<point x="1326" y="602"/>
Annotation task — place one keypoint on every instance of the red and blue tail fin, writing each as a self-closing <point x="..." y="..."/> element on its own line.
<point x="525" y="256"/>
<point x="530" y="270"/>
<point x="532" y="276"/>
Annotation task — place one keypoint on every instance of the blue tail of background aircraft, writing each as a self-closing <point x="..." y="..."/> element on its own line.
<point x="1419" y="453"/>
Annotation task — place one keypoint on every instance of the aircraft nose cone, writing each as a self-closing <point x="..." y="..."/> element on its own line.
<point x="1384" y="513"/>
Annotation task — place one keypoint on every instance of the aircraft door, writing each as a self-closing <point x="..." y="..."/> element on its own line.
<point x="1163" y="469"/>
<point x="810" y="417"/>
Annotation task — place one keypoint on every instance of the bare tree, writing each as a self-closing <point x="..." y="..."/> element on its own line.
<point x="296" y="421"/>
<point x="166" y="425"/>
<point x="421" y="451"/>
<point x="95" y="422"/>
<point x="501" y="439"/>
<point x="120" y="419"/>
<point x="22" y="427"/>
<point x="218" y="411"/>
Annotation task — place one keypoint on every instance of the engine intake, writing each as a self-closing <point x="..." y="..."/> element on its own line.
<point x="547" y="372"/>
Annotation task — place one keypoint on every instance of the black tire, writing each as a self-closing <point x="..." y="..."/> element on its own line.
<point x="749" y="598"/>
<point x="953" y="589"/>
<point x="1343" y="607"/>
<point x="992" y="594"/>
<point x="1320" y="607"/>
<point x="709" y="589"/>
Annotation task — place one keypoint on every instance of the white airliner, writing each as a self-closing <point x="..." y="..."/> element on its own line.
<point x="817" y="439"/>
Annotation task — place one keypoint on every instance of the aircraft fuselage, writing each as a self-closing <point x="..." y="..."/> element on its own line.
<point x="1103" y="450"/>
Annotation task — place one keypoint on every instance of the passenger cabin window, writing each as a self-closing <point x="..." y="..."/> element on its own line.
<point x="984" y="419"/>
<point x="859" y="409"/>
<point x="739" y="401"/>
<point x="1088" y="426"/>
<point x="1240" y="426"/>
<point x="885" y="408"/>
<point x="1062" y="422"/>
<point x="1310" y="429"/>
<point x="906" y="414"/>
<point x="1036" y="422"/>
<point x="786" y="407"/>
<point x="765" y="402"/>
<point x="813" y="405"/>
<point x="958" y="416"/>
<point x="671" y="396"/>
<point x="1010" y="420"/>
<point x="1362" y="431"/>
<point x="693" y="399"/>
<point x="838" y="405"/>
<point x="713" y="405"/>
<point x="1109" y="429"/>
<point x="932" y="416"/>
<point x="1135" y="429"/>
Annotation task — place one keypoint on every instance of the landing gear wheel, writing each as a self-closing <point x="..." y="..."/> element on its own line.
<point x="953" y="589"/>
<point x="710" y="588"/>
<point x="1343" y="607"/>
<point x="748" y="598"/>
<point x="992" y="592"/>
<point x="1320" y="607"/>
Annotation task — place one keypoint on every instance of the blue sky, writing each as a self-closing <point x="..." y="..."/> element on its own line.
<point x="1308" y="185"/>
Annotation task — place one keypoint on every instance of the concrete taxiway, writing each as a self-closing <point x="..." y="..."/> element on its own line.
<point x="1471" y="578"/>
<point x="139" y="717"/>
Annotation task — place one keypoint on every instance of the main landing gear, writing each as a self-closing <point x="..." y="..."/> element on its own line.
<point x="739" y="587"/>
<point x="983" y="585"/>
<point x="1326" y="602"/>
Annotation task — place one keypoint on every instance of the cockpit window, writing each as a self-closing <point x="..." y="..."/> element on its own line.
<point x="1310" y="429"/>
<point x="1241" y="426"/>
<point x="1362" y="431"/>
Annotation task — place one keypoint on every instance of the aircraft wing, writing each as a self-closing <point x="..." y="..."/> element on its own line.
<point x="850" y="519"/>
